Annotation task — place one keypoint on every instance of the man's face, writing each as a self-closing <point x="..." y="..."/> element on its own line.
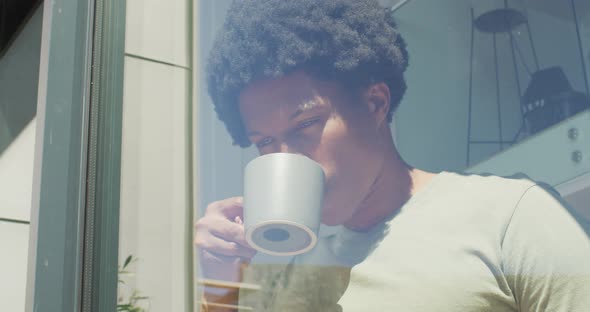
<point x="301" y="115"/>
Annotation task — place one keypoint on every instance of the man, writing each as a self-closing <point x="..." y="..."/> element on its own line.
<point x="322" y="78"/>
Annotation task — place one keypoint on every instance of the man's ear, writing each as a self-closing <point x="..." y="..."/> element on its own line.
<point x="379" y="102"/>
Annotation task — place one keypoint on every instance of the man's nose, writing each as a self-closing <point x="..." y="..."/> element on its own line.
<point x="281" y="147"/>
<point x="285" y="148"/>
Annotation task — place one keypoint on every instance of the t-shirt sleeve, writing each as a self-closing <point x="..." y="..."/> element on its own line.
<point x="546" y="254"/>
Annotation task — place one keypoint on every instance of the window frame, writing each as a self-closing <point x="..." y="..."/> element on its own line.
<point x="75" y="204"/>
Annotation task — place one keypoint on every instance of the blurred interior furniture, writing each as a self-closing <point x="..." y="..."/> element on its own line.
<point x="549" y="97"/>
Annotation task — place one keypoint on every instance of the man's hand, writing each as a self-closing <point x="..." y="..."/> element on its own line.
<point x="221" y="242"/>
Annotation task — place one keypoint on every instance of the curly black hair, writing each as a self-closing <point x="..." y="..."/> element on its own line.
<point x="353" y="42"/>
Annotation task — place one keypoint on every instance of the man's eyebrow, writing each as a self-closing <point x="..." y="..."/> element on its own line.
<point x="301" y="108"/>
<point x="305" y="106"/>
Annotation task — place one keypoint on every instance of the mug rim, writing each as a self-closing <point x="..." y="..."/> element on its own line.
<point x="282" y="154"/>
<point x="312" y="235"/>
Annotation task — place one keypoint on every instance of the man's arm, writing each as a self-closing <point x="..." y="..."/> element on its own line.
<point x="546" y="254"/>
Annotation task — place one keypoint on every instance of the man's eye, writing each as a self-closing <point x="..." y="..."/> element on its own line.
<point x="306" y="123"/>
<point x="264" y="142"/>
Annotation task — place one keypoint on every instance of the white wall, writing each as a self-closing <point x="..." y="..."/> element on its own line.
<point x="155" y="224"/>
<point x="16" y="173"/>
<point x="14" y="243"/>
<point x="18" y="98"/>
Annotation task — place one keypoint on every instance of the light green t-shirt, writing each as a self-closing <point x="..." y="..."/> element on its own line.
<point x="463" y="243"/>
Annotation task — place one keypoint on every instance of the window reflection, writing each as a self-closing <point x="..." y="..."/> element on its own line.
<point x="516" y="70"/>
<point x="466" y="108"/>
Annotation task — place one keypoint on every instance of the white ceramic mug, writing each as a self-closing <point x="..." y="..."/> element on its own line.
<point x="283" y="196"/>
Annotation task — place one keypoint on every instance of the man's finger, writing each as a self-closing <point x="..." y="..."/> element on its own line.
<point x="222" y="247"/>
<point x="233" y="232"/>
<point x="230" y="208"/>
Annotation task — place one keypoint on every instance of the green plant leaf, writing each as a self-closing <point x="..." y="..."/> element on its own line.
<point x="127" y="261"/>
<point x="134" y="298"/>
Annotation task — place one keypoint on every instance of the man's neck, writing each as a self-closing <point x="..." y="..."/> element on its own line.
<point x="393" y="187"/>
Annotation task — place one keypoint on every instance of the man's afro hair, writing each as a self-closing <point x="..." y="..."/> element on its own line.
<point x="354" y="42"/>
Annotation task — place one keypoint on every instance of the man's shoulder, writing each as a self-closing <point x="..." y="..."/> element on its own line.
<point x="493" y="184"/>
<point x="483" y="196"/>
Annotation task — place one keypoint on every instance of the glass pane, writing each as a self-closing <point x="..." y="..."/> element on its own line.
<point x="536" y="59"/>
<point x="20" y="43"/>
<point x="155" y="247"/>
<point x="318" y="193"/>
